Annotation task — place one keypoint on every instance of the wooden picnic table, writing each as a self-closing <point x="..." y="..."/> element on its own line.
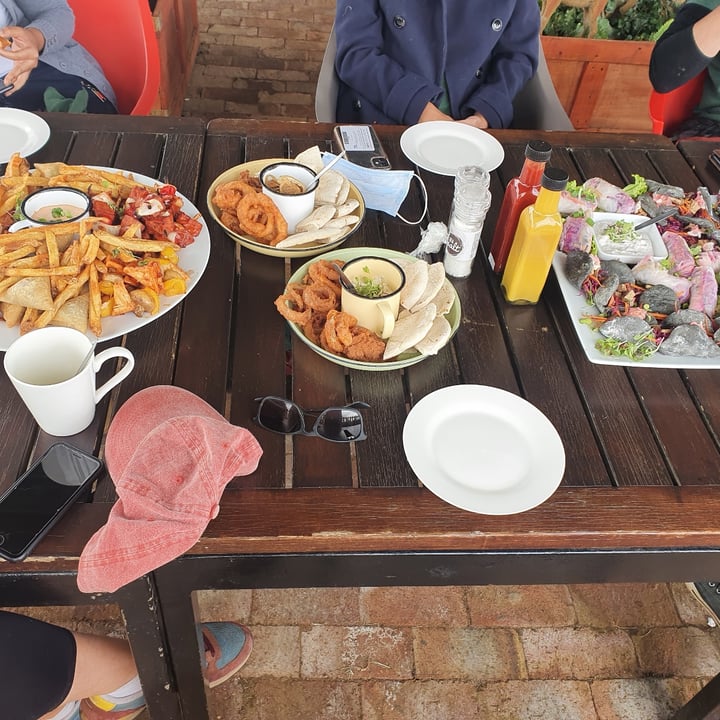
<point x="639" y="499"/>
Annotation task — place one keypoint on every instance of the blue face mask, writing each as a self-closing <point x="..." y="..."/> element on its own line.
<point x="382" y="190"/>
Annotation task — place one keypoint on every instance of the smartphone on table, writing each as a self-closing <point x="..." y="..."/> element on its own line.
<point x="362" y="146"/>
<point x="40" y="496"/>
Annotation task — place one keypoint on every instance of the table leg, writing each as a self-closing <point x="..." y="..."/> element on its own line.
<point x="146" y="633"/>
<point x="704" y="706"/>
<point x="179" y="615"/>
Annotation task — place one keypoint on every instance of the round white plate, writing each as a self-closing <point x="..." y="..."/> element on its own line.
<point x="442" y="147"/>
<point x="193" y="259"/>
<point x="483" y="449"/>
<point x="21" y="132"/>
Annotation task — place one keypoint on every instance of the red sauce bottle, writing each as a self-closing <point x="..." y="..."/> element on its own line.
<point x="520" y="192"/>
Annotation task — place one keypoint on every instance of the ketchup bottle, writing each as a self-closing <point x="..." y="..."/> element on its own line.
<point x="519" y="193"/>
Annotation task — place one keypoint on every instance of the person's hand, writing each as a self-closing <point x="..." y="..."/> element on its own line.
<point x="477" y="120"/>
<point x="27" y="44"/>
<point x="430" y="112"/>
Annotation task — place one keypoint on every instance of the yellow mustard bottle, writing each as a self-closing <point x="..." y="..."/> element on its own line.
<point x="535" y="242"/>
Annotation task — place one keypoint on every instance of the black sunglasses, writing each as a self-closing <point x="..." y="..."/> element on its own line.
<point x="337" y="424"/>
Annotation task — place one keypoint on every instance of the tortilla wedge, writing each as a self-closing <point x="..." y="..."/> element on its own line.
<point x="416" y="280"/>
<point x="436" y="337"/>
<point x="409" y="329"/>
<point x="323" y="236"/>
<point x="30" y="292"/>
<point x="11" y="314"/>
<point x="73" y="314"/>
<point x="436" y="278"/>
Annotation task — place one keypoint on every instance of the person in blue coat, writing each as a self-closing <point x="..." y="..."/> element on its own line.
<point x="408" y="61"/>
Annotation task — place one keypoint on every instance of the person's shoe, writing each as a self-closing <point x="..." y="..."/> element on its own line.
<point x="227" y="647"/>
<point x="98" y="708"/>
<point x="708" y="593"/>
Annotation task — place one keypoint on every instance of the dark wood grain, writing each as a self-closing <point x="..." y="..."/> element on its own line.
<point x="640" y="496"/>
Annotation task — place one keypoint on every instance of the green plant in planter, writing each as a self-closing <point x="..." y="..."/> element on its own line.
<point x="621" y="20"/>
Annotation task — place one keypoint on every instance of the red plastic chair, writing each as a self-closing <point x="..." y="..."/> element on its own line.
<point x="121" y="36"/>
<point x="668" y="110"/>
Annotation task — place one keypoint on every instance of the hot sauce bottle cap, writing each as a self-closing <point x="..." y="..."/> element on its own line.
<point x="538" y="151"/>
<point x="554" y="178"/>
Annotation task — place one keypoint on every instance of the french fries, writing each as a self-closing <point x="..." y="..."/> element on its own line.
<point x="77" y="273"/>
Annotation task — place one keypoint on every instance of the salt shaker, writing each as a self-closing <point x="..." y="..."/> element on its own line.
<point x="467" y="215"/>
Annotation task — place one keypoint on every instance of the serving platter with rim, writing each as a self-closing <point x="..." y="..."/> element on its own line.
<point x="193" y="259"/>
<point x="405" y="359"/>
<point x="253" y="168"/>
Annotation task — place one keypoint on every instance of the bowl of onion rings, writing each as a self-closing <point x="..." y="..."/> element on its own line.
<point x="234" y="204"/>
<point x="309" y="316"/>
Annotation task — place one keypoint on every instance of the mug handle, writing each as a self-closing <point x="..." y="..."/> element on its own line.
<point x="20" y="225"/>
<point x="126" y="369"/>
<point x="388" y="319"/>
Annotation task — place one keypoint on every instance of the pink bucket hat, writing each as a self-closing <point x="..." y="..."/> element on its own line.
<point x="170" y="456"/>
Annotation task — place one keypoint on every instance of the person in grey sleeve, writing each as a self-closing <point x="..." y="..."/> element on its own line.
<point x="45" y="67"/>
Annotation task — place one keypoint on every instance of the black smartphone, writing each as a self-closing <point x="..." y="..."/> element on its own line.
<point x="714" y="158"/>
<point x="6" y="88"/>
<point x="362" y="146"/>
<point x="40" y="496"/>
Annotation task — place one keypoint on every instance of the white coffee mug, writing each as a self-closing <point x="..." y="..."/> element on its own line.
<point x="293" y="208"/>
<point x="53" y="369"/>
<point x="52" y="205"/>
<point x="377" y="313"/>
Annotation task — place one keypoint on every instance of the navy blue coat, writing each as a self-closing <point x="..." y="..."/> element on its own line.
<point x="392" y="54"/>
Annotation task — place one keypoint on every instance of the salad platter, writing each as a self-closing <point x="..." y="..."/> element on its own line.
<point x="637" y="268"/>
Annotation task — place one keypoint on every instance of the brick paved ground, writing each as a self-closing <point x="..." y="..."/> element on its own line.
<point x="554" y="652"/>
<point x="258" y="58"/>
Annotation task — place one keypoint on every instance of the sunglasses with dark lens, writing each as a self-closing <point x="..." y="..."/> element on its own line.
<point x="337" y="424"/>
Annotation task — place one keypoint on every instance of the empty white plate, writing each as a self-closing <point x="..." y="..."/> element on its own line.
<point x="443" y="146"/>
<point x="484" y="449"/>
<point x="21" y="132"/>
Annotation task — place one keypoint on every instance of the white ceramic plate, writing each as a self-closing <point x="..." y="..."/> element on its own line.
<point x="21" y="132"/>
<point x="578" y="307"/>
<point x="401" y="361"/>
<point x="442" y="147"/>
<point x="254" y="167"/>
<point x="484" y="449"/>
<point x="193" y="259"/>
<point x="650" y="234"/>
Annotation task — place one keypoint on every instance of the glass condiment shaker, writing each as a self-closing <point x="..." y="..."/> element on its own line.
<point x="467" y="215"/>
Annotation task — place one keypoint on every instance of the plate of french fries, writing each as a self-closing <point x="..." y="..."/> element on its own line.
<point x="141" y="251"/>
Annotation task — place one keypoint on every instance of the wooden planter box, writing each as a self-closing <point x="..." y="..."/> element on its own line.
<point x="602" y="84"/>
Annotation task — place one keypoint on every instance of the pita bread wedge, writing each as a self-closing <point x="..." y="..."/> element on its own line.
<point x="416" y="280"/>
<point x="444" y="298"/>
<point x="30" y="292"/>
<point x="409" y="330"/>
<point x="436" y="338"/>
<point x="323" y="236"/>
<point x="317" y="218"/>
<point x="436" y="277"/>
<point x="328" y="189"/>
<point x="312" y="157"/>
<point x="343" y="192"/>
<point x="347" y="207"/>
<point x="73" y="313"/>
<point x="342" y="222"/>
<point x="12" y="314"/>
